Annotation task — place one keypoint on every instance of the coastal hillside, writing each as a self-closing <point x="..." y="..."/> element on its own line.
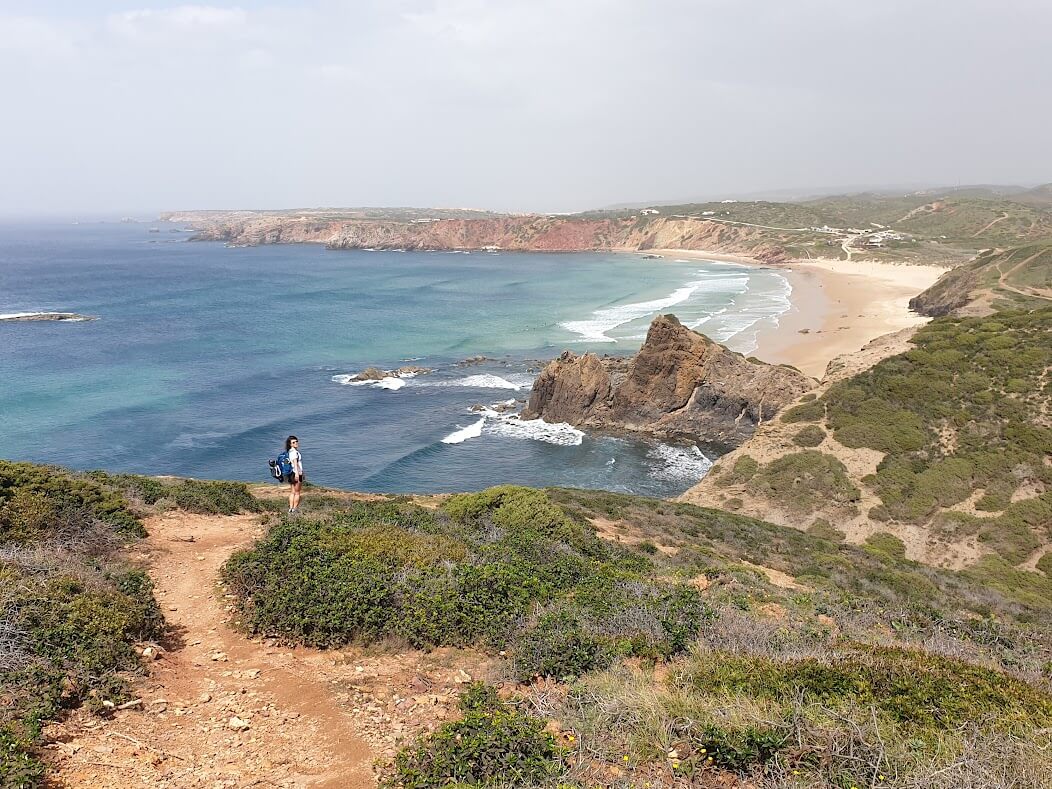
<point x="943" y="227"/>
<point x="996" y="279"/>
<point x="945" y="445"/>
<point x="512" y="637"/>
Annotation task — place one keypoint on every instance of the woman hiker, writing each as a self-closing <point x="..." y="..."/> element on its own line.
<point x="294" y="477"/>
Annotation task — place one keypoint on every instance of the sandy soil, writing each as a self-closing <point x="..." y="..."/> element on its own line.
<point x="219" y="710"/>
<point x="837" y="307"/>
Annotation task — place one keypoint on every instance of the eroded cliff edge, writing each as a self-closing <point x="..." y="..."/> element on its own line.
<point x="679" y="384"/>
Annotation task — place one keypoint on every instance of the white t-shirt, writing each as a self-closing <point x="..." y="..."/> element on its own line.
<point x="296" y="459"/>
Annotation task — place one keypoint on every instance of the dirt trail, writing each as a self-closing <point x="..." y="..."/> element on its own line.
<point x="218" y="710"/>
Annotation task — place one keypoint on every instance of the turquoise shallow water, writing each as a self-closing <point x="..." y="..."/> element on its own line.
<point x="204" y="358"/>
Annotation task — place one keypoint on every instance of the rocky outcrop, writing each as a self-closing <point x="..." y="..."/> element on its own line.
<point x="25" y="317"/>
<point x="680" y="383"/>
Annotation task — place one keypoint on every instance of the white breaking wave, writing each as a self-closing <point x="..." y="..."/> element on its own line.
<point x="487" y="381"/>
<point x="595" y="329"/>
<point x="736" y="324"/>
<point x="7" y="316"/>
<point x="390" y="382"/>
<point x="511" y="426"/>
<point x="464" y="433"/>
<point x="677" y="463"/>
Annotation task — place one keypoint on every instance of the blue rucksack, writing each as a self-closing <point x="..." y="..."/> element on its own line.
<point x="281" y="467"/>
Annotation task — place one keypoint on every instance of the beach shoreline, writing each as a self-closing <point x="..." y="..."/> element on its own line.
<point x="837" y="306"/>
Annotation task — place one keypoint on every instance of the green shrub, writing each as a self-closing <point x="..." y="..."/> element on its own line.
<point x="76" y="610"/>
<point x="493" y="744"/>
<point x="559" y="645"/>
<point x="37" y="499"/>
<point x="887" y="544"/>
<point x="744" y="469"/>
<point x="823" y="530"/>
<point x="1044" y="564"/>
<point x="804" y="482"/>
<point x="918" y="690"/>
<point x="488" y="570"/>
<point x="212" y="498"/>
<point x="810" y="436"/>
<point x="812" y="411"/>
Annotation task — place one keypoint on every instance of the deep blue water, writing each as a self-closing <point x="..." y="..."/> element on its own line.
<point x="204" y="358"/>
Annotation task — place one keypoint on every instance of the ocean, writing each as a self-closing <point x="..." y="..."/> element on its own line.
<point x="203" y="358"/>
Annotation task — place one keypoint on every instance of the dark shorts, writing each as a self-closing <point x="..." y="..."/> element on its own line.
<point x="291" y="478"/>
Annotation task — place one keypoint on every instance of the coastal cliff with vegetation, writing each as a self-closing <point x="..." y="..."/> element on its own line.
<point x="935" y="226"/>
<point x="512" y="637"/>
<point x="945" y="445"/>
<point x="679" y="384"/>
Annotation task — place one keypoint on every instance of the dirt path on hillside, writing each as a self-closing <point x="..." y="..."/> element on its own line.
<point x="218" y="710"/>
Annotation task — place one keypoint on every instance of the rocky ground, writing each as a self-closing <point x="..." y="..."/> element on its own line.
<point x="219" y="710"/>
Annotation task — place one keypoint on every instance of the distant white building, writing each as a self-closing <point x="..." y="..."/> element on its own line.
<point x="646" y="211"/>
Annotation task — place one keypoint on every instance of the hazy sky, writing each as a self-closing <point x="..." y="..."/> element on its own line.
<point x="511" y="104"/>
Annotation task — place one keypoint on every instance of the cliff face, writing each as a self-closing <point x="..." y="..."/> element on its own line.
<point x="679" y="384"/>
<point x="516" y="233"/>
<point x="1016" y="277"/>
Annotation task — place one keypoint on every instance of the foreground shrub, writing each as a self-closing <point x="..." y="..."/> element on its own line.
<point x="921" y="691"/>
<point x="506" y="568"/>
<point x="204" y="497"/>
<point x="41" y="501"/>
<point x="70" y="613"/>
<point x="493" y="744"/>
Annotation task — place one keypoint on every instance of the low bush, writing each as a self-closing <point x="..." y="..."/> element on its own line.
<point x="1044" y="564"/>
<point x="204" y="497"/>
<point x="492" y="745"/>
<point x="812" y="411"/>
<point x="39" y="501"/>
<point x="505" y="568"/>
<point x="744" y="469"/>
<point x="803" y="482"/>
<point x="70" y="612"/>
<point x="922" y="692"/>
<point x="809" y="436"/>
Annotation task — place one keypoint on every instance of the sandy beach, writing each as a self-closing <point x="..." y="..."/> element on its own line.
<point x="837" y="306"/>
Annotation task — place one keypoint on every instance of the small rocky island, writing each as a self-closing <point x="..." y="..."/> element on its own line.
<point x="25" y="317"/>
<point x="679" y="384"/>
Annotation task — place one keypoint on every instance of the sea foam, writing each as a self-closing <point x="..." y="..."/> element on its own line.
<point x="676" y="464"/>
<point x="487" y="381"/>
<point x="464" y="433"/>
<point x="595" y="328"/>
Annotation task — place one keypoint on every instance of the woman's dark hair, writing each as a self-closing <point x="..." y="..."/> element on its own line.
<point x="288" y="442"/>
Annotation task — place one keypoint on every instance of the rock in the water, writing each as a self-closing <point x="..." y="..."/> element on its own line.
<point x="73" y="317"/>
<point x="680" y="383"/>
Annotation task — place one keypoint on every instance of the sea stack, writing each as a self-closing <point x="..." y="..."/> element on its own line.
<point x="679" y="384"/>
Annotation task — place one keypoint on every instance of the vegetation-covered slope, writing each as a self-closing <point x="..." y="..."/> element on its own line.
<point x="857" y="663"/>
<point x="72" y="610"/>
<point x="1016" y="277"/>
<point x="953" y="438"/>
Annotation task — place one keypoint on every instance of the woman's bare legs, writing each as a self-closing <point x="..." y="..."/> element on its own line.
<point x="294" y="494"/>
